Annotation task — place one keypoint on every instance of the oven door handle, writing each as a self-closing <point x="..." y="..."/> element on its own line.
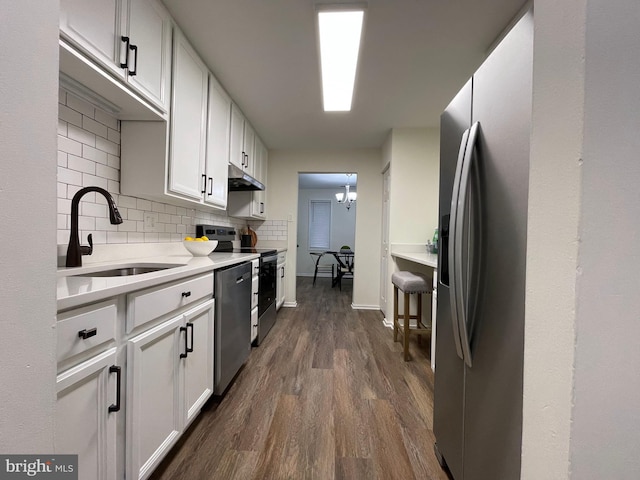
<point x="272" y="258"/>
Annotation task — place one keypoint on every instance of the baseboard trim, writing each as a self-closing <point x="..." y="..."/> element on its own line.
<point x="290" y="304"/>
<point x="365" y="307"/>
<point x="388" y="322"/>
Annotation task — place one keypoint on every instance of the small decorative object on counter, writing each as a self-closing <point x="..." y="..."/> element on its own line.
<point x="432" y="246"/>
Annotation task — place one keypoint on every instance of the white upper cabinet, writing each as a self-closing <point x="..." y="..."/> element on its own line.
<point x="188" y="121"/>
<point x="130" y="38"/>
<point x="97" y="26"/>
<point x="249" y="149"/>
<point x="150" y="66"/>
<point x="236" y="142"/>
<point x="218" y="131"/>
<point x="242" y="143"/>
<point x="252" y="204"/>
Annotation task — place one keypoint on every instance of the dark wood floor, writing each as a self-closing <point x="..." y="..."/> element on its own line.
<point x="326" y="396"/>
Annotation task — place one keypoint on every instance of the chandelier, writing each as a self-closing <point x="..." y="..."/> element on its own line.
<point x="347" y="197"/>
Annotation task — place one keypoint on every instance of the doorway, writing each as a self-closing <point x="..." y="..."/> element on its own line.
<point x="325" y="223"/>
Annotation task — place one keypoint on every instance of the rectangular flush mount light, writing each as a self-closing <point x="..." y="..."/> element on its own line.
<point x="340" y="32"/>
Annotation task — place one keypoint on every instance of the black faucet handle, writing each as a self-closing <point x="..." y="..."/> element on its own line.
<point x="84" y="250"/>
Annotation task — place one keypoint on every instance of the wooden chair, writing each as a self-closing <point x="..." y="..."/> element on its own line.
<point x="319" y="268"/>
<point x="345" y="259"/>
<point x="409" y="283"/>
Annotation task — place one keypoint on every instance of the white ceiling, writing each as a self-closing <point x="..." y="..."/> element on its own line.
<point x="416" y="55"/>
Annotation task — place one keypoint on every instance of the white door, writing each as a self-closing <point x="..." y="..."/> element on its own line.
<point x="198" y="372"/>
<point x="149" y="65"/>
<point x="236" y="142"/>
<point x="385" y="280"/>
<point x="188" y="121"/>
<point x="84" y="424"/>
<point x="97" y="27"/>
<point x="154" y="387"/>
<point x="218" y="132"/>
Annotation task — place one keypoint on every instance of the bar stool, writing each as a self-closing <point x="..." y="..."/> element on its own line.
<point x="409" y="283"/>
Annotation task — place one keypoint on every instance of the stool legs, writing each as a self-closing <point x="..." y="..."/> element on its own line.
<point x="395" y="313"/>
<point x="406" y="331"/>
<point x="406" y="317"/>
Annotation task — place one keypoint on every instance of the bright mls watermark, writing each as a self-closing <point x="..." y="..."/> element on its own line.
<point x="50" y="467"/>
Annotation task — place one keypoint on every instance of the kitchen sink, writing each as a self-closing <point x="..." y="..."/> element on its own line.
<point x="136" y="269"/>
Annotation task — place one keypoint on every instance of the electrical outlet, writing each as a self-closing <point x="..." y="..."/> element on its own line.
<point x="149" y="221"/>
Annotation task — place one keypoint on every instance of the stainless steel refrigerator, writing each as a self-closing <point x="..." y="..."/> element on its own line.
<point x="484" y="175"/>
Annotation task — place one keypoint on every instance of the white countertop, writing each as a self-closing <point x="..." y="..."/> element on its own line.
<point x="415" y="253"/>
<point x="73" y="291"/>
<point x="428" y="259"/>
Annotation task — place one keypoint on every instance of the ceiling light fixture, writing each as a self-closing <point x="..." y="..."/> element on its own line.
<point x="347" y="197"/>
<point x="340" y="32"/>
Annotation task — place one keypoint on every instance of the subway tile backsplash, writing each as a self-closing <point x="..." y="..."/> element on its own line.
<point x="89" y="154"/>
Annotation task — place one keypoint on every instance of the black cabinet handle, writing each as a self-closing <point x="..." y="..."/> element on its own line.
<point x="126" y="55"/>
<point x="282" y="275"/>
<point x="186" y="294"/>
<point x="261" y="207"/>
<point x="118" y="371"/>
<point x="84" y="334"/>
<point x="190" y="325"/>
<point x="204" y="183"/>
<point x="210" y="186"/>
<point x="135" y="61"/>
<point x="186" y="347"/>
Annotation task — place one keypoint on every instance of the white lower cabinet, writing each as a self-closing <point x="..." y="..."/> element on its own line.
<point x="198" y="381"/>
<point x="87" y="409"/>
<point x="169" y="377"/>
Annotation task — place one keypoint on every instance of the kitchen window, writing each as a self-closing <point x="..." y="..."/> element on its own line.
<point x="319" y="224"/>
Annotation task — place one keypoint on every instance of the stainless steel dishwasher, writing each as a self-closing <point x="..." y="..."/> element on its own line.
<point x="232" y="323"/>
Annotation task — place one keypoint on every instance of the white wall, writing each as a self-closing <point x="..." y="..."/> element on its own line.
<point x="282" y="198"/>
<point x="413" y="156"/>
<point x="581" y="388"/>
<point x="415" y="177"/>
<point x="28" y="111"/>
<point x="343" y="226"/>
<point x="605" y="433"/>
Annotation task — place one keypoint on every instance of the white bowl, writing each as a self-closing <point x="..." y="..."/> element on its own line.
<point x="200" y="249"/>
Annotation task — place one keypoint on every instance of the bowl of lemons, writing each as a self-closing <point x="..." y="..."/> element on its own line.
<point x="199" y="246"/>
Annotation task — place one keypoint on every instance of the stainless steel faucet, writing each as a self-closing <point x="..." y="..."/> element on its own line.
<point x="75" y="250"/>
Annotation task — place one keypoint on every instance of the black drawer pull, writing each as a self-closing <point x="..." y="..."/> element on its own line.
<point x="126" y="54"/>
<point x="118" y="371"/>
<point x="135" y="61"/>
<point x="190" y="325"/>
<point x="186" y="346"/>
<point x="84" y="334"/>
<point x="186" y="294"/>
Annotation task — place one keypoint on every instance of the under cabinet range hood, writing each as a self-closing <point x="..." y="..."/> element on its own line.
<point x="240" y="181"/>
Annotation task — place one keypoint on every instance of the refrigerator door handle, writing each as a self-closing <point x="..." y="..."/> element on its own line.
<point x="462" y="293"/>
<point x="454" y="285"/>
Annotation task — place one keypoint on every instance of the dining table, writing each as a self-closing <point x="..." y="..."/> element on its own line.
<point x="344" y="258"/>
